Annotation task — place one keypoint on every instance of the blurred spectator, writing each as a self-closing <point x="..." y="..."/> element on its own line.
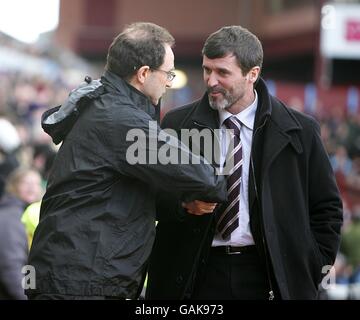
<point x="43" y="157"/>
<point x="353" y="180"/>
<point x="353" y="138"/>
<point x="9" y="143"/>
<point x="342" y="269"/>
<point x="25" y="184"/>
<point x="351" y="191"/>
<point x="340" y="161"/>
<point x="30" y="219"/>
<point x="13" y="248"/>
<point x="340" y="289"/>
<point x="22" y="188"/>
<point x="350" y="246"/>
<point x="327" y="138"/>
<point x="9" y="138"/>
<point x="296" y="104"/>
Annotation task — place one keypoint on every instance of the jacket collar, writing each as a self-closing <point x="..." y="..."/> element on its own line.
<point x="275" y="129"/>
<point x="279" y="123"/>
<point x="138" y="99"/>
<point x="264" y="108"/>
<point x="280" y="115"/>
<point x="205" y="115"/>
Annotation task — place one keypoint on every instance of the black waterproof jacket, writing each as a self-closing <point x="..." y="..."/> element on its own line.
<point x="97" y="221"/>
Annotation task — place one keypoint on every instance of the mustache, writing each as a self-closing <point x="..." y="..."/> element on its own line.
<point x="216" y="90"/>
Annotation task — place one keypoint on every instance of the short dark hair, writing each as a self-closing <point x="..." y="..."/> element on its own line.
<point x="235" y="40"/>
<point x="140" y="44"/>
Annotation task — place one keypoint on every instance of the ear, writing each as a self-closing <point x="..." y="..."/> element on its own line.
<point x="142" y="73"/>
<point x="253" y="74"/>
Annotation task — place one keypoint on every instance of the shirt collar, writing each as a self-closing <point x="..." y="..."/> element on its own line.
<point x="247" y="116"/>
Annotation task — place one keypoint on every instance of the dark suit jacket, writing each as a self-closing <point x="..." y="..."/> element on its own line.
<point x="295" y="207"/>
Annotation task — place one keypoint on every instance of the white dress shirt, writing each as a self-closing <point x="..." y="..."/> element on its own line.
<point x="241" y="236"/>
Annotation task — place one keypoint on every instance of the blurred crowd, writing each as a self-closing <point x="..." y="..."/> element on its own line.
<point x="26" y="155"/>
<point x="341" y="136"/>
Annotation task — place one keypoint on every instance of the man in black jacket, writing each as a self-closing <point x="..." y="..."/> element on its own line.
<point x="97" y="219"/>
<point x="279" y="231"/>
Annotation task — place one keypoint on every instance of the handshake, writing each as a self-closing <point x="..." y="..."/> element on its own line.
<point x="198" y="207"/>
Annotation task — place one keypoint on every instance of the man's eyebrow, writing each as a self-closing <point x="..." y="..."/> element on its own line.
<point x="219" y="69"/>
<point x="223" y="70"/>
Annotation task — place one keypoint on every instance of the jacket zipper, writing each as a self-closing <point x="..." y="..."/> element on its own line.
<point x="203" y="126"/>
<point x="271" y="291"/>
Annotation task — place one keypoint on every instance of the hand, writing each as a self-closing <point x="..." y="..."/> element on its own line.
<point x="198" y="207"/>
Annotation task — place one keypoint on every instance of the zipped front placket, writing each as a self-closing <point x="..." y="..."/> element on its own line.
<point x="262" y="229"/>
<point x="271" y="291"/>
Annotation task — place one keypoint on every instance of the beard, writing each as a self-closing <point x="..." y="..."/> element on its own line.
<point x="222" y="103"/>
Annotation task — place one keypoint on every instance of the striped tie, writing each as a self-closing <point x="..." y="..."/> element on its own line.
<point x="228" y="219"/>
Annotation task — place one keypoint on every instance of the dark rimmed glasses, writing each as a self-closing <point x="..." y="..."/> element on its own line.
<point x="170" y="75"/>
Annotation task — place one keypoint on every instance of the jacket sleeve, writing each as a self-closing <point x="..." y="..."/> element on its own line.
<point x="156" y="158"/>
<point x="13" y="256"/>
<point x="168" y="206"/>
<point x="325" y="204"/>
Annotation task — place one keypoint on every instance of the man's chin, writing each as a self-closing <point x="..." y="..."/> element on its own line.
<point x="155" y="102"/>
<point x="218" y="105"/>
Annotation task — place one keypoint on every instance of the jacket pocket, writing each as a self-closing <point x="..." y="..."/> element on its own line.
<point x="318" y="264"/>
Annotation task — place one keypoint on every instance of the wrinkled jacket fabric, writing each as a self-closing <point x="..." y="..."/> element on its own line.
<point x="97" y="220"/>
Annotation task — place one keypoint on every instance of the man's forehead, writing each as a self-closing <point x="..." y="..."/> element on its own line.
<point x="169" y="57"/>
<point x="227" y="60"/>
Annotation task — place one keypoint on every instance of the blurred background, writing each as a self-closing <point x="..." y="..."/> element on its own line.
<point x="311" y="62"/>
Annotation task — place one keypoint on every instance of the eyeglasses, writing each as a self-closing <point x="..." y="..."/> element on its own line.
<point x="170" y="75"/>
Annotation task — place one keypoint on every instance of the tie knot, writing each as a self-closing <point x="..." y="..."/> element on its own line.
<point x="234" y="124"/>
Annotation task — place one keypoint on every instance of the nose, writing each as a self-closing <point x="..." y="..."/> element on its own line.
<point x="211" y="79"/>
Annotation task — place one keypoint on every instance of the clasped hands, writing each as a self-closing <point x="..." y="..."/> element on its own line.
<point x="198" y="208"/>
